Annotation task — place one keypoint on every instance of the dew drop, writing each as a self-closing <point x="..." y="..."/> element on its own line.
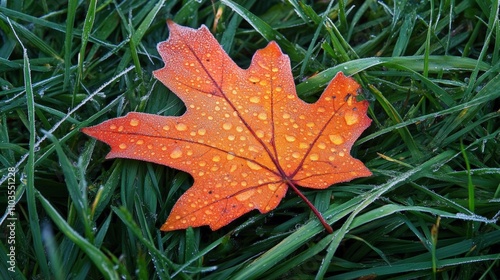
<point x="113" y="127"/>
<point x="177" y="153"/>
<point x="274" y="69"/>
<point x="314" y="157"/>
<point x="272" y="187"/>
<point x="290" y="138"/>
<point x="231" y="137"/>
<point x="351" y="118"/>
<point x="216" y="158"/>
<point x="296" y="155"/>
<point x="166" y="127"/>
<point x="260" y="133"/>
<point x="227" y="126"/>
<point x="181" y="127"/>
<point x="134" y="122"/>
<point x="202" y="131"/>
<point x="253" y="165"/>
<point x="139" y="142"/>
<point x="255" y="99"/>
<point x="262" y="65"/>
<point x="350" y="100"/>
<point x="286" y="116"/>
<point x="262" y="116"/>
<point x="254" y="79"/>
<point x="230" y="157"/>
<point x="245" y="195"/>
<point x="233" y="168"/>
<point x="253" y="148"/>
<point x="122" y="146"/>
<point x="336" y="139"/>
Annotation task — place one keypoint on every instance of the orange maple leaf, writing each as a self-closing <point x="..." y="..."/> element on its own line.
<point x="245" y="136"/>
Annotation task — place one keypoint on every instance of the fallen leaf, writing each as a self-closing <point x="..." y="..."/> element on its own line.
<point x="245" y="137"/>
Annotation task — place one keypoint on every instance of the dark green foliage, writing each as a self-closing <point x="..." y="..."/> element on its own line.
<point x="430" y="70"/>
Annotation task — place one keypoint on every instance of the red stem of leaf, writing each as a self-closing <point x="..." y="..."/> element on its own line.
<point x="327" y="227"/>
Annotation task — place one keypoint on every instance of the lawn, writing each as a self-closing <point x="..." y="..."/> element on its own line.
<point x="430" y="71"/>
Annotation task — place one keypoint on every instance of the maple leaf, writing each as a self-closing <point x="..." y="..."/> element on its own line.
<point x="245" y="137"/>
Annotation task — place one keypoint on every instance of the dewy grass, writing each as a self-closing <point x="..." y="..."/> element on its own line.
<point x="429" y="69"/>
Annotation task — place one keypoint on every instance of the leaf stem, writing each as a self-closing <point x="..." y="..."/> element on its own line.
<point x="322" y="220"/>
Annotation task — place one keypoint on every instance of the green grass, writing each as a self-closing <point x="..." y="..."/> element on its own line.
<point x="430" y="70"/>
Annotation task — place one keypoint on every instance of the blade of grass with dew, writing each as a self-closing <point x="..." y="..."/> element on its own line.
<point x="296" y="53"/>
<point x="162" y="263"/>
<point x="87" y="29"/>
<point x="68" y="40"/>
<point x="396" y="118"/>
<point x="489" y="91"/>
<point x="139" y="33"/>
<point x="51" y="25"/>
<point x="103" y="264"/>
<point x="307" y="231"/>
<point x="30" y="165"/>
<point x="415" y="63"/>
<point x="77" y="191"/>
